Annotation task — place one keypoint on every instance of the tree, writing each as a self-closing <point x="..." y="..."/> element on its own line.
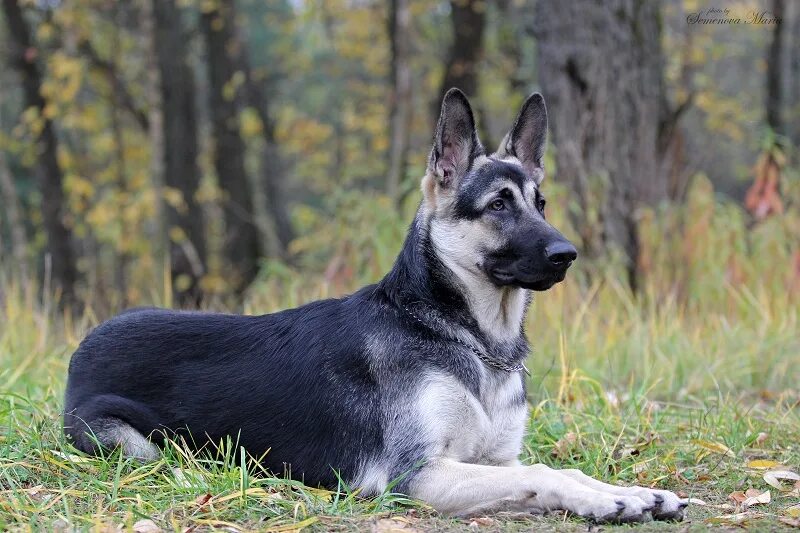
<point x="776" y="70"/>
<point x="242" y="245"/>
<point x="10" y="204"/>
<point x="184" y="215"/>
<point x="399" y="22"/>
<point x="461" y="68"/>
<point x="273" y="166"/>
<point x="793" y="98"/>
<point x="23" y="54"/>
<point x="601" y="71"/>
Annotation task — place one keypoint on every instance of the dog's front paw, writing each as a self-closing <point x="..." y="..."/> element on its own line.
<point x="669" y="506"/>
<point x="666" y="505"/>
<point x="606" y="508"/>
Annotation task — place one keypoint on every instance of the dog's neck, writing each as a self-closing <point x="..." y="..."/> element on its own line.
<point x="426" y="276"/>
<point x="499" y="311"/>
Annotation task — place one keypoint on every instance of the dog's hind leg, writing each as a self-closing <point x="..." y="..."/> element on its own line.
<point x="108" y="421"/>
<point x="112" y="433"/>
<point x="464" y="489"/>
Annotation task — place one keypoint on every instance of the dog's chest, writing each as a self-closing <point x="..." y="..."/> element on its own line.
<point x="485" y="428"/>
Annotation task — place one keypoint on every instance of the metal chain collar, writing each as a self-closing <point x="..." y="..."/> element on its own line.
<point x="494" y="363"/>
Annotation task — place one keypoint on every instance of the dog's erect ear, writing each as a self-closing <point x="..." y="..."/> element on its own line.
<point x="528" y="135"/>
<point x="455" y="144"/>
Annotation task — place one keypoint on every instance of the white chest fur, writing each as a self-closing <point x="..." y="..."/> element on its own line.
<point x="484" y="429"/>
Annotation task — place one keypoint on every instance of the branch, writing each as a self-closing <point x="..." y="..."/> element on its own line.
<point x="109" y="70"/>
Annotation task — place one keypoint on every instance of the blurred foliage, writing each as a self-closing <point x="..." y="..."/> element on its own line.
<point x="325" y="67"/>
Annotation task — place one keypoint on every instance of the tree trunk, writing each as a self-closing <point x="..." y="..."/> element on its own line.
<point x="793" y="98"/>
<point x="181" y="172"/>
<point x="155" y="134"/>
<point x="10" y="204"/>
<point x="775" y="71"/>
<point x="116" y="99"/>
<point x="22" y="54"/>
<point x="461" y="69"/>
<point x="273" y="166"/>
<point x="400" y="99"/>
<point x="242" y="244"/>
<point x="601" y="70"/>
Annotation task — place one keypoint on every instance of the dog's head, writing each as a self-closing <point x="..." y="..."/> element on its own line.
<point x="486" y="212"/>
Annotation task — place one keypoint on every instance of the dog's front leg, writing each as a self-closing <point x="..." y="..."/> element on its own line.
<point x="456" y="488"/>
<point x="667" y="505"/>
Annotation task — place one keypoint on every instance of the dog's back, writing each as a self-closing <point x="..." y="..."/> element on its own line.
<point x="283" y="383"/>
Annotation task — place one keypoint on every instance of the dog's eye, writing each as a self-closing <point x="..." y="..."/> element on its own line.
<point x="540" y="203"/>
<point x="497" y="205"/>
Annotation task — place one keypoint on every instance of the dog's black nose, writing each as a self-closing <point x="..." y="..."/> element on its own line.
<point x="560" y="253"/>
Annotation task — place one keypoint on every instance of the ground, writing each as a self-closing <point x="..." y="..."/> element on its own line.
<point x="626" y="393"/>
<point x="705" y="451"/>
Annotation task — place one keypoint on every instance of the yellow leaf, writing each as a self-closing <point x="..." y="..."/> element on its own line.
<point x="253" y="491"/>
<point x="174" y="198"/>
<point x="793" y="511"/>
<point x="297" y="526"/>
<point x="764" y="464"/>
<point x="716" y="447"/>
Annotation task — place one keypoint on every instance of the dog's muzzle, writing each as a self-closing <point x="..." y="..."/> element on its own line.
<point x="536" y="271"/>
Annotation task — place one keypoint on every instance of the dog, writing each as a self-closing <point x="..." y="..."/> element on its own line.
<point x="415" y="383"/>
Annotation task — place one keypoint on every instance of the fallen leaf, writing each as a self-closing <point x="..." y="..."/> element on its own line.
<point x="71" y="457"/>
<point x="202" y="499"/>
<point x="563" y="448"/>
<point x="734" y="519"/>
<point x="295" y="527"/>
<point x="762" y="464"/>
<point x="252" y="491"/>
<point x="392" y="525"/>
<point x="756" y="497"/>
<point x="146" y="526"/>
<point x="793" y="511"/>
<point x="481" y="521"/>
<point x="773" y="478"/>
<point x="716" y="447"/>
<point x="737" y="496"/>
<point x="750" y="497"/>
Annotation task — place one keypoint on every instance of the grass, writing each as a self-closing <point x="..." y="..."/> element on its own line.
<point x="680" y="388"/>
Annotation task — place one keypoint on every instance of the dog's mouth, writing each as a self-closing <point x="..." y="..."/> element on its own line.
<point x="504" y="277"/>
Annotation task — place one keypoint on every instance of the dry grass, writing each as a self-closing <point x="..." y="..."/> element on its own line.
<point x="679" y="388"/>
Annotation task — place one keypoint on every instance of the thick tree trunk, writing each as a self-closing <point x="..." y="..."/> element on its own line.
<point x="776" y="71"/>
<point x="181" y="171"/>
<point x="22" y="54"/>
<point x="242" y="244"/>
<point x="469" y="19"/>
<point x="601" y="70"/>
<point x="399" y="23"/>
<point x="793" y="98"/>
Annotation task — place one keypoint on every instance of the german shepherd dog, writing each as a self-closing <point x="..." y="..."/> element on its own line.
<point x="417" y="379"/>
